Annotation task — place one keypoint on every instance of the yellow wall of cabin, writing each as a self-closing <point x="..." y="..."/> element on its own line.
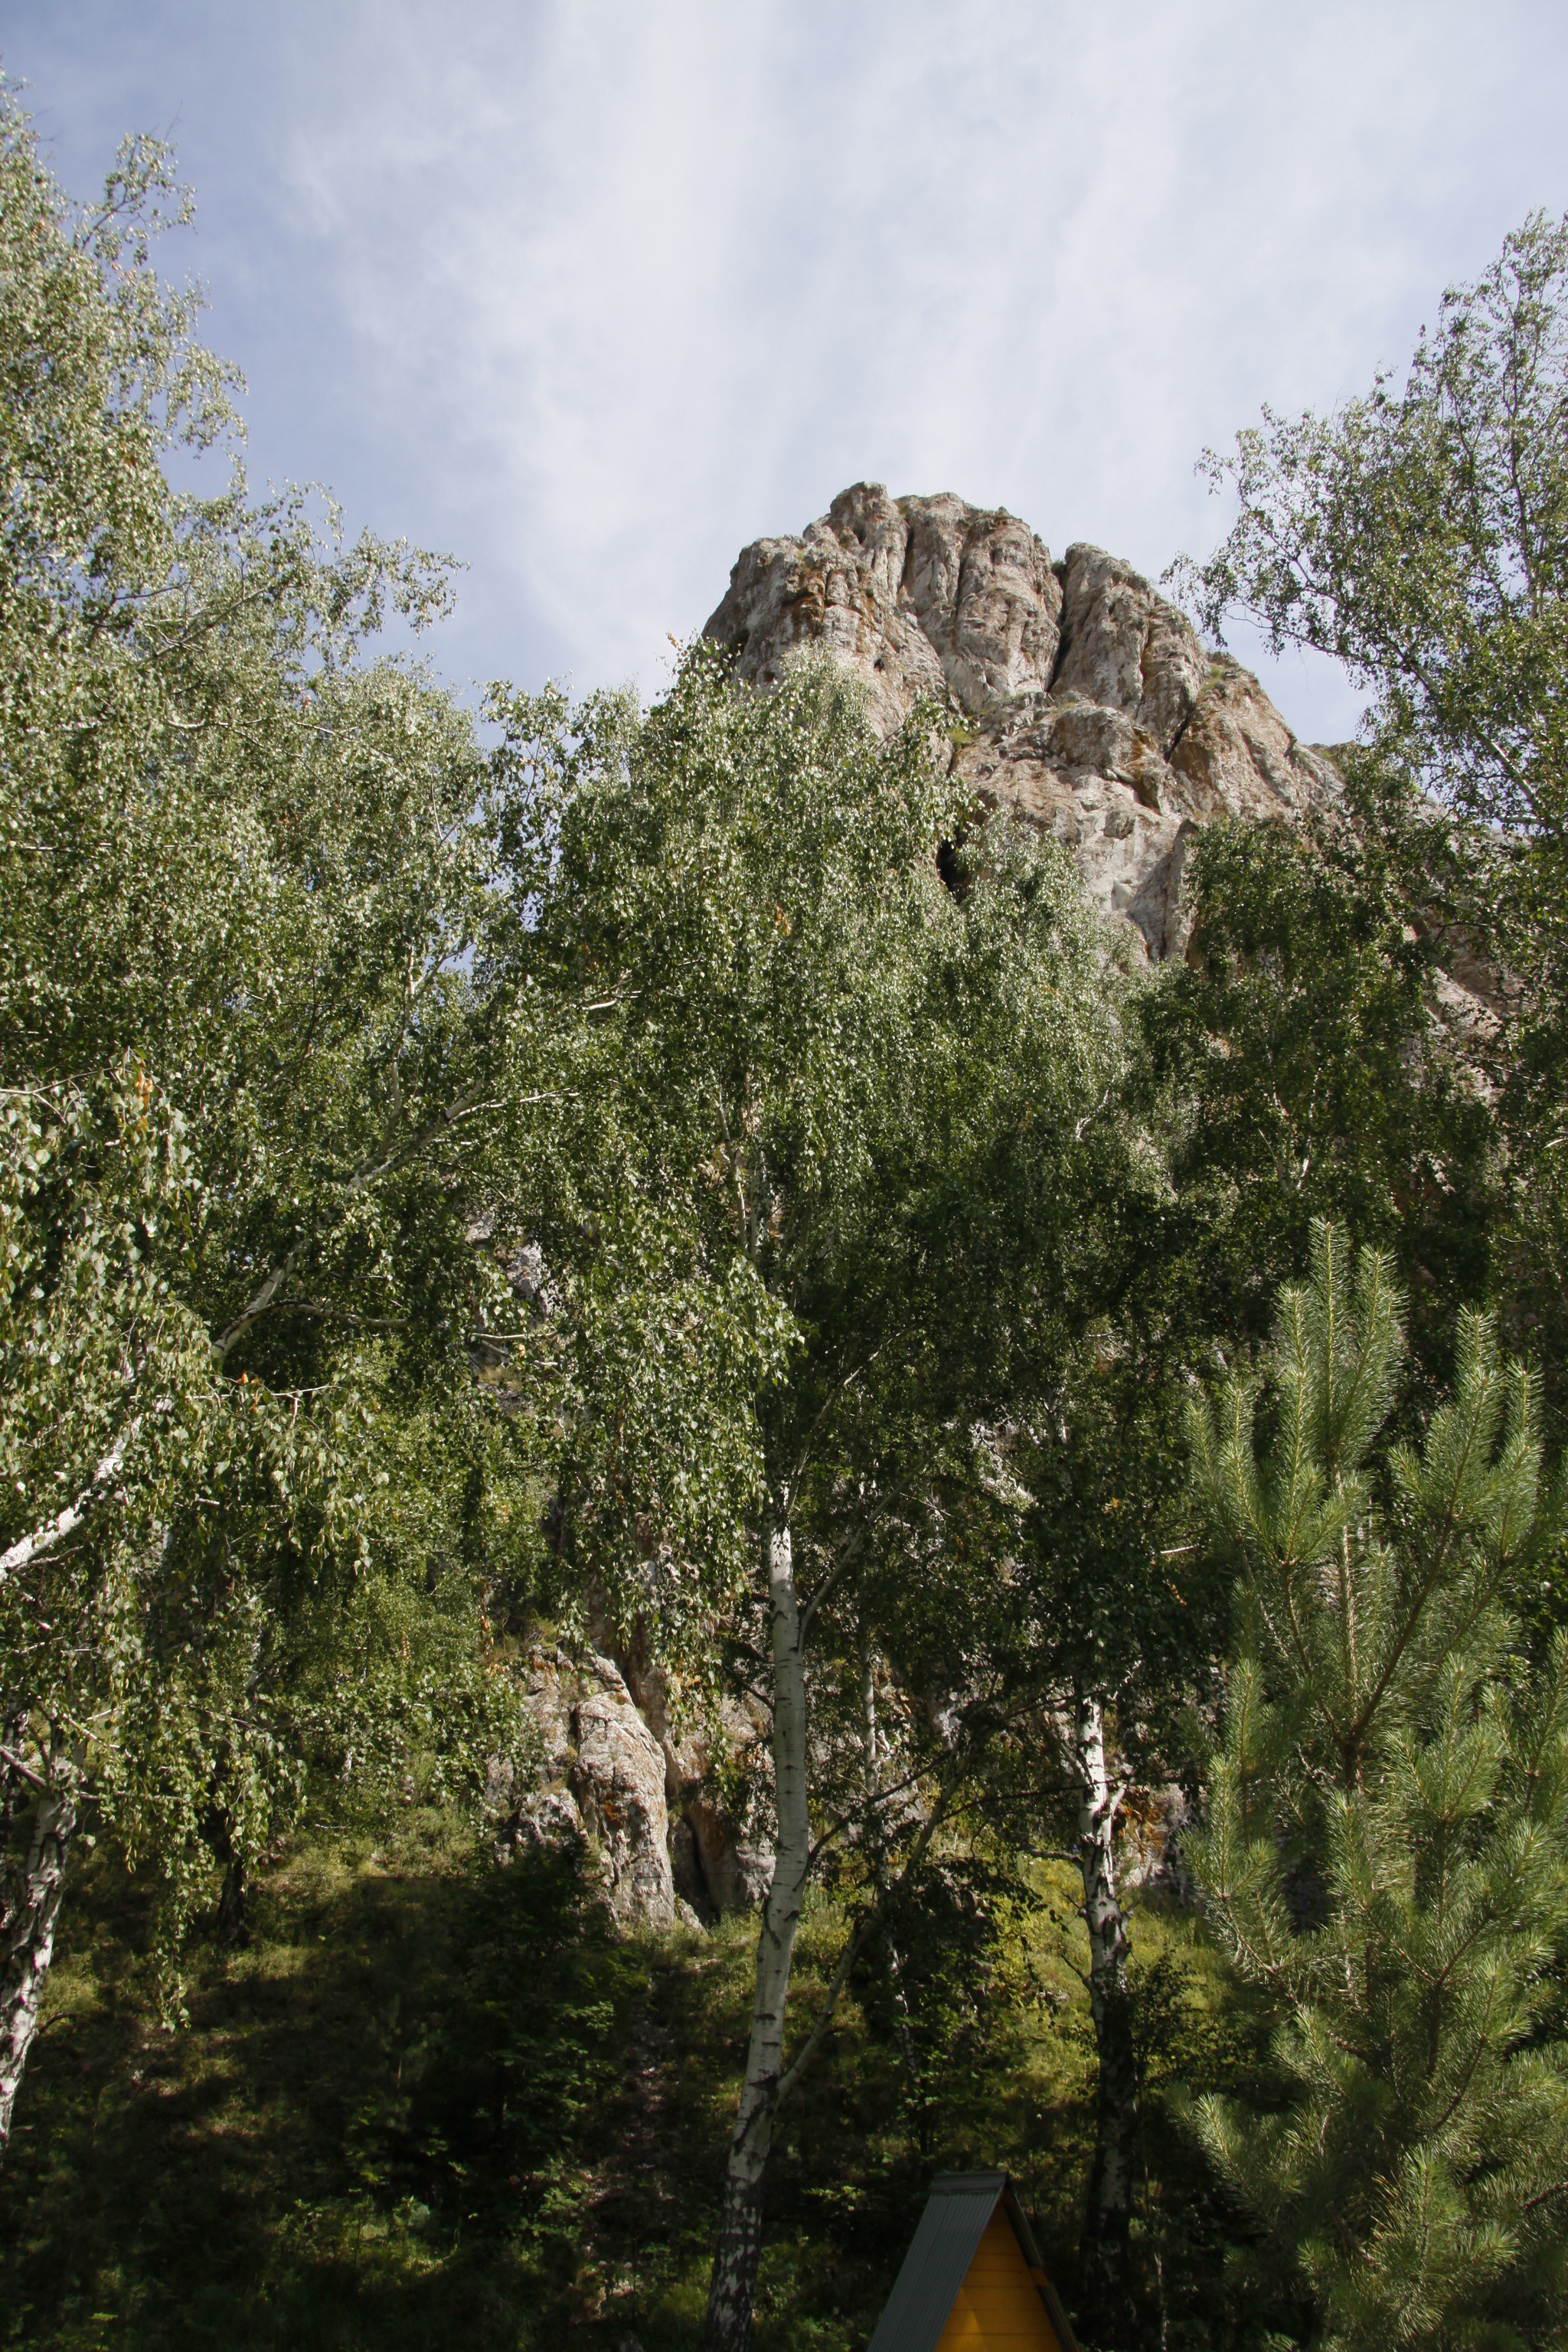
<point x="998" y="2308"/>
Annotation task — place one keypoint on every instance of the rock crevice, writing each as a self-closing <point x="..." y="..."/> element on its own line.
<point x="600" y="1778"/>
<point x="647" y="1796"/>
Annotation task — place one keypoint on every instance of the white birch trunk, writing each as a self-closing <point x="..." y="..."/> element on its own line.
<point x="29" y="1909"/>
<point x="734" y="2280"/>
<point x="1109" y="2314"/>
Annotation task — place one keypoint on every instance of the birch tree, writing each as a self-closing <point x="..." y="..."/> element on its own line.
<point x="1298" y="1064"/>
<point x="1418" y="535"/>
<point x="817" y="1060"/>
<point x="1103" y="1631"/>
<point x="256" y="997"/>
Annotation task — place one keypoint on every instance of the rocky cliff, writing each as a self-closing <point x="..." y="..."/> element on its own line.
<point x="1082" y="699"/>
<point x="613" y="1769"/>
<point x="1080" y="696"/>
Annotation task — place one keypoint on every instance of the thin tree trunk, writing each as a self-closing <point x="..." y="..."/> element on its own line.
<point x="734" y="2280"/>
<point x="902" y="2022"/>
<point x="1110" y="2317"/>
<point x="234" y="1904"/>
<point x="29" y="1908"/>
<point x="233" y="1899"/>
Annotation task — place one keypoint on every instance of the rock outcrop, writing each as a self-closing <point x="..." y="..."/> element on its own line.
<point x="613" y="1769"/>
<point x="1149" y="1860"/>
<point x="601" y="1777"/>
<point x="719" y="1862"/>
<point x="1080" y="697"/>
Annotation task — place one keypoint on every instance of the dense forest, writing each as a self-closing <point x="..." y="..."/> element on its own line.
<point x="696" y="1181"/>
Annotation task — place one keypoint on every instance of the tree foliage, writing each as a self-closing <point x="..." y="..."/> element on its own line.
<point x="1385" y="1848"/>
<point x="1420" y="537"/>
<point x="618" y="1169"/>
<point x="1298" y="1056"/>
<point x="245" y="873"/>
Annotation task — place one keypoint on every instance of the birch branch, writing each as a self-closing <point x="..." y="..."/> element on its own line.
<point x="256" y="1308"/>
<point x="41" y="1539"/>
<point x="367" y="1173"/>
<point x="14" y="1764"/>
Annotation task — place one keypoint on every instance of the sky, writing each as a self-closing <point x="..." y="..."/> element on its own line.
<point x="593" y="292"/>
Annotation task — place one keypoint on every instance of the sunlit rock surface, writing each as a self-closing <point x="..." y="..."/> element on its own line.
<point x="617" y="1768"/>
<point x="1080" y="698"/>
<point x="720" y="1861"/>
<point x="601" y="1777"/>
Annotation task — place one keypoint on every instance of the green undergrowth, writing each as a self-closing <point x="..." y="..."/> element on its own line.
<point x="434" y="2102"/>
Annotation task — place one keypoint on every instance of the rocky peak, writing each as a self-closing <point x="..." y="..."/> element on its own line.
<point x="917" y="595"/>
<point x="1082" y="698"/>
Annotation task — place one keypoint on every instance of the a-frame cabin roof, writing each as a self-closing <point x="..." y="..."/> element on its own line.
<point x="974" y="2277"/>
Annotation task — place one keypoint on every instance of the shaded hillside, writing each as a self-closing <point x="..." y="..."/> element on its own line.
<point x="434" y="2102"/>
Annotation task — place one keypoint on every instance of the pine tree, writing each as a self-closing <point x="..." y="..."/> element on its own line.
<point x="1386" y="1850"/>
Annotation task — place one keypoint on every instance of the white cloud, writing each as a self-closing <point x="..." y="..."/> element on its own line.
<point x="596" y="293"/>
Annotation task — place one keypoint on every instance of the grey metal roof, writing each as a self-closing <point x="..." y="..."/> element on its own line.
<point x="954" y="2221"/>
<point x="950" y="2229"/>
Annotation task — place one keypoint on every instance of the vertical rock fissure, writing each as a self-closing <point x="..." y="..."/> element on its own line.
<point x="1062" y="632"/>
<point x="1192" y="714"/>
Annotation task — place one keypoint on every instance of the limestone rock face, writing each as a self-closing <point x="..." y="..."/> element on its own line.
<point x="1124" y="648"/>
<point x="1149" y="1857"/>
<point x="916" y="595"/>
<point x="1082" y="700"/>
<point x="1238" y="754"/>
<point x="734" y="1871"/>
<point x="602" y="1777"/>
<point x="721" y="1863"/>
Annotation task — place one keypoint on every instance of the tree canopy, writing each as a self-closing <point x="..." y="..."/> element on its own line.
<point x="1420" y="537"/>
<point x="688" y="1180"/>
<point x="1384" y="1846"/>
<point x="243" y="1041"/>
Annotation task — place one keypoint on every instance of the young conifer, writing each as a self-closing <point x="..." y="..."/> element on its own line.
<point x="1386" y="1850"/>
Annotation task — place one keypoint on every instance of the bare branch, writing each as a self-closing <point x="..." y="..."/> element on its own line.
<point x="256" y="1308"/>
<point x="845" y="1560"/>
<point x="25" y="1771"/>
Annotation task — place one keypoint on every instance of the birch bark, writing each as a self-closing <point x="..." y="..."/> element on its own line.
<point x="29" y="1909"/>
<point x="1109" y="2314"/>
<point x="733" y="2285"/>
